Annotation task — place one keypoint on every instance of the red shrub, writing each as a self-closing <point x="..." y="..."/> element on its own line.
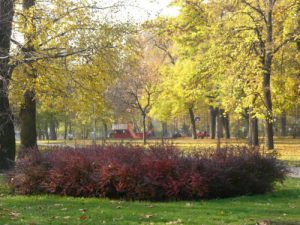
<point x="158" y="173"/>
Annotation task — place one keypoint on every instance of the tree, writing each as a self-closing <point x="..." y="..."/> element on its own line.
<point x="7" y="134"/>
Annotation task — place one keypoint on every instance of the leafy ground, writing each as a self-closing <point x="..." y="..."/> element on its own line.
<point x="281" y="207"/>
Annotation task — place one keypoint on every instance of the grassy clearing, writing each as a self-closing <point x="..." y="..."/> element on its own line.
<point x="281" y="207"/>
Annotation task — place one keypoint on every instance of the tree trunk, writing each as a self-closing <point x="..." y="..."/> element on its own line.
<point x="28" y="107"/>
<point x="213" y="117"/>
<point x="218" y="128"/>
<point x="105" y="130"/>
<point x="193" y="123"/>
<point x="28" y="120"/>
<point x="226" y="125"/>
<point x="253" y="132"/>
<point x="52" y="126"/>
<point x="144" y="129"/>
<point x="66" y="130"/>
<point x="283" y="124"/>
<point x="267" y="64"/>
<point x="7" y="132"/>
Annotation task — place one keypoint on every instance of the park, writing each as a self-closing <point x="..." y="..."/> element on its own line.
<point x="150" y="112"/>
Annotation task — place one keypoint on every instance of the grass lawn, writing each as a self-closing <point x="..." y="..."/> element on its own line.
<point x="281" y="207"/>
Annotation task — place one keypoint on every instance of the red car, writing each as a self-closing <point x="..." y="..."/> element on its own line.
<point x="202" y="134"/>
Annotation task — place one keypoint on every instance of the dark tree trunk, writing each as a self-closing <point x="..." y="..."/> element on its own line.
<point x="66" y="130"/>
<point x="28" y="107"/>
<point x="213" y="117"/>
<point x="218" y="128"/>
<point x="283" y="124"/>
<point x="267" y="64"/>
<point x="193" y="123"/>
<point x="144" y="129"/>
<point x="253" y="132"/>
<point x="7" y="132"/>
<point x="105" y="130"/>
<point x="28" y="120"/>
<point x="226" y="125"/>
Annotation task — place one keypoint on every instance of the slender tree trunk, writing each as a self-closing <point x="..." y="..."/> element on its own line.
<point x="7" y="132"/>
<point x="213" y="117"/>
<point x="66" y="130"/>
<point x="283" y="124"/>
<point x="218" y="128"/>
<point x="253" y="132"/>
<point x="52" y="126"/>
<point x="28" y="107"/>
<point x="267" y="64"/>
<point x="193" y="123"/>
<point x="144" y="129"/>
<point x="226" y="125"/>
<point x="105" y="130"/>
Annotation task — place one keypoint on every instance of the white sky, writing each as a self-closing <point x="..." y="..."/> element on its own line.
<point x="141" y="10"/>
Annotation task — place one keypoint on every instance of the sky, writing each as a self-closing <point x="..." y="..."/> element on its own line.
<point x="141" y="10"/>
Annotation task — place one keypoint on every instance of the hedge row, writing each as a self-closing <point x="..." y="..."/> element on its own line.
<point x="135" y="173"/>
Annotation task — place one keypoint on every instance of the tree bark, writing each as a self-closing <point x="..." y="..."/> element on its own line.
<point x="105" y="130"/>
<point x="193" y="123"/>
<point x="144" y="129"/>
<point x="28" y="120"/>
<point x="66" y="130"/>
<point x="218" y="128"/>
<point x="7" y="132"/>
<point x="267" y="64"/>
<point x="226" y="125"/>
<point x="213" y="117"/>
<point x="52" y="127"/>
<point x="253" y="132"/>
<point x="28" y="107"/>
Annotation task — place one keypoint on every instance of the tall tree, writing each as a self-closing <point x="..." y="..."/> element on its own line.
<point x="7" y="133"/>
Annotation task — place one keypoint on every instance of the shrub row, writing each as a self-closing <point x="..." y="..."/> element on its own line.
<point x="135" y="173"/>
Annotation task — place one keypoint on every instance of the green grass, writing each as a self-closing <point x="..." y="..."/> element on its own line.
<point x="281" y="207"/>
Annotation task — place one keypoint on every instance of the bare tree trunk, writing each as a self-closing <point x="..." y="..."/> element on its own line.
<point x="28" y="107"/>
<point x="213" y="117"/>
<point x="226" y="125"/>
<point x="66" y="130"/>
<point x="28" y="120"/>
<point x="7" y="132"/>
<point x="218" y="128"/>
<point x="105" y="129"/>
<point x="267" y="64"/>
<point x="193" y="123"/>
<point x="52" y="126"/>
<point x="253" y="132"/>
<point x="144" y="129"/>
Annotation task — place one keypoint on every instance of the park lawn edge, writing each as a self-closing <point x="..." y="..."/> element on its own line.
<point x="281" y="207"/>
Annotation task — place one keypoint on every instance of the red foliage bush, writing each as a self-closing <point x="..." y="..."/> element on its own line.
<point x="136" y="173"/>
